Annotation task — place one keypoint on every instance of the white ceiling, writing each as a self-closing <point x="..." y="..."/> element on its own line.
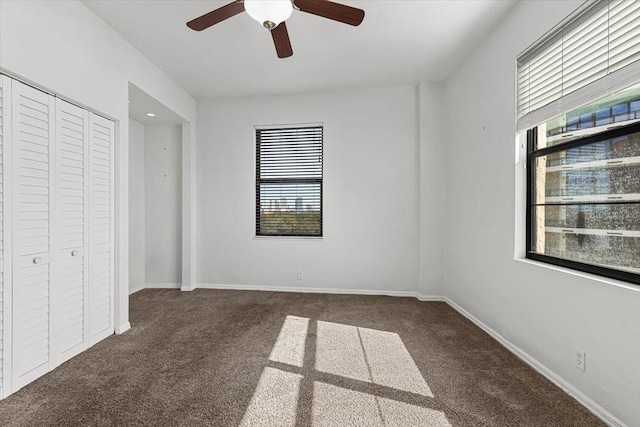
<point x="141" y="103"/>
<point x="400" y="42"/>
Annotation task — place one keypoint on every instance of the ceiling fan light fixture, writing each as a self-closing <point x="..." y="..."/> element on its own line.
<point x="269" y="13"/>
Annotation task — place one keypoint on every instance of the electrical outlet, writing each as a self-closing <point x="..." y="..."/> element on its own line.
<point x="299" y="275"/>
<point x="581" y="360"/>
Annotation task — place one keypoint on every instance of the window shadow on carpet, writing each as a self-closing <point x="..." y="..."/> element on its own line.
<point x="327" y="374"/>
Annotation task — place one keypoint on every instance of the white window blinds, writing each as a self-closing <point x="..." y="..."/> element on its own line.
<point x="289" y="181"/>
<point x="593" y="53"/>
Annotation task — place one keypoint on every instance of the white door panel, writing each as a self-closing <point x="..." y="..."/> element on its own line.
<point x="3" y="281"/>
<point x="32" y="141"/>
<point x="101" y="266"/>
<point x="69" y="290"/>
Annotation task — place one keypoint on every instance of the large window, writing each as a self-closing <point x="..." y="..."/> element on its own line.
<point x="578" y="99"/>
<point x="584" y="188"/>
<point x="289" y="181"/>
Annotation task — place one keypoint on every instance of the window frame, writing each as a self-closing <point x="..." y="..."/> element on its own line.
<point x="532" y="154"/>
<point x="259" y="181"/>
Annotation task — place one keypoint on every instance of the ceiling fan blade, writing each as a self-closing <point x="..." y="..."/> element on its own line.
<point x="225" y="12"/>
<point x="328" y="9"/>
<point x="281" y="41"/>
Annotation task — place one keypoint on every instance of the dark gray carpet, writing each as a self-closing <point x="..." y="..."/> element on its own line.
<point x="196" y="358"/>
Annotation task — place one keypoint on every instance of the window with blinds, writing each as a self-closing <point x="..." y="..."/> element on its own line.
<point x="579" y="100"/>
<point x="289" y="181"/>
<point x="598" y="41"/>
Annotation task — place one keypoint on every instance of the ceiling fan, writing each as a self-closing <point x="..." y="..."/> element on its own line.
<point x="272" y="14"/>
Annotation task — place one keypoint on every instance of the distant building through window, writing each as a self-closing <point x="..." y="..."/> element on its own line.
<point x="584" y="198"/>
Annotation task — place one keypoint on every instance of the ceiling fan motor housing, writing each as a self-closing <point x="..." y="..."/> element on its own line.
<point x="269" y="13"/>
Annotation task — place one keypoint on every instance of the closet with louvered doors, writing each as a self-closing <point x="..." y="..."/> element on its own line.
<point x="57" y="225"/>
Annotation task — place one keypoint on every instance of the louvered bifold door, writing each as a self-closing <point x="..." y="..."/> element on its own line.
<point x="32" y="140"/>
<point x="2" y="281"/>
<point x="69" y="288"/>
<point x="5" y="257"/>
<point x="101" y="231"/>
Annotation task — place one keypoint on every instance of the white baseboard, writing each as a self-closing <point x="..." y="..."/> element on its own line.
<point x="310" y="290"/>
<point x="430" y="298"/>
<point x="136" y="288"/>
<point x="123" y="328"/>
<point x="288" y="289"/>
<point x="582" y="398"/>
<point x="163" y="286"/>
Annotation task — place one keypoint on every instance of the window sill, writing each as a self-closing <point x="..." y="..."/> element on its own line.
<point x="605" y="281"/>
<point x="287" y="238"/>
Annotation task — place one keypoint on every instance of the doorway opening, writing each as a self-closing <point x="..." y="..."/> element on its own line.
<point x="155" y="193"/>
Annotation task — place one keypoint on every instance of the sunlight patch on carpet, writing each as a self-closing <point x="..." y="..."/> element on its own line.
<point x="339" y="352"/>
<point x="403" y="414"/>
<point x="337" y="406"/>
<point x="275" y="400"/>
<point x="390" y="363"/>
<point x="289" y="347"/>
<point x="370" y="357"/>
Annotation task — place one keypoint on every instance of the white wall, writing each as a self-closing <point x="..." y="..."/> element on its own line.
<point x="431" y="191"/>
<point x="77" y="55"/>
<point x="163" y="204"/>
<point x="371" y="225"/>
<point x="137" y="278"/>
<point x="545" y="312"/>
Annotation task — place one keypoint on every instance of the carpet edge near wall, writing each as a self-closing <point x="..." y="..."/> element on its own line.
<point x="597" y="410"/>
<point x="556" y="379"/>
